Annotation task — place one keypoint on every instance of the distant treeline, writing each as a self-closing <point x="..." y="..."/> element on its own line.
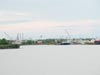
<point x="6" y="44"/>
<point x="44" y="41"/>
<point x="32" y="42"/>
<point x="4" y="41"/>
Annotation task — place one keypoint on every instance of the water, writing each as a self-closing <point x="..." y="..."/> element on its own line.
<point x="51" y="60"/>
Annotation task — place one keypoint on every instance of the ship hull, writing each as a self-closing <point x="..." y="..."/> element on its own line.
<point x="65" y="44"/>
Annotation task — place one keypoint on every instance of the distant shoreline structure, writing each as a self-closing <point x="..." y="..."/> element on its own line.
<point x="15" y="44"/>
<point x="8" y="44"/>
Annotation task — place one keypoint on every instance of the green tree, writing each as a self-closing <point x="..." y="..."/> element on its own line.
<point x="3" y="42"/>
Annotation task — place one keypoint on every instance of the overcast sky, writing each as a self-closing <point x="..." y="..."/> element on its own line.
<point x="79" y="17"/>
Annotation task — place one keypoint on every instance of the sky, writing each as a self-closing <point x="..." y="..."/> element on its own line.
<point x="51" y="18"/>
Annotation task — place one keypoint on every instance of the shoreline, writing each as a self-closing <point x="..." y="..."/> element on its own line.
<point x="10" y="46"/>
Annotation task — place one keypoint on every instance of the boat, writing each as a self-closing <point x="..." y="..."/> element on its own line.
<point x="97" y="42"/>
<point x="65" y="43"/>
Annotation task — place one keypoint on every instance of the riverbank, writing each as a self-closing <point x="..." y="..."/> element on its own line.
<point x="9" y="46"/>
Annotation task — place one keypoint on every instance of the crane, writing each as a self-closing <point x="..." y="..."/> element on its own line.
<point x="8" y="36"/>
<point x="68" y="33"/>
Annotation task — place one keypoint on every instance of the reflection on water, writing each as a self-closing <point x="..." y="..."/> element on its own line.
<point x="51" y="60"/>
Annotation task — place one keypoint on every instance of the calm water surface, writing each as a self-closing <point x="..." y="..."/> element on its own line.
<point x="51" y="60"/>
